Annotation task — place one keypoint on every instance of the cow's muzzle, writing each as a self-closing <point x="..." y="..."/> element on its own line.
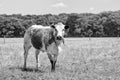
<point x="60" y="38"/>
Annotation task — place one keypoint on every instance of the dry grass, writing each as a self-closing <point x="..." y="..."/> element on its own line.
<point x="81" y="59"/>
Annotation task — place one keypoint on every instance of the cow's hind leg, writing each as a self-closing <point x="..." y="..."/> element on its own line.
<point x="36" y="55"/>
<point x="26" y="49"/>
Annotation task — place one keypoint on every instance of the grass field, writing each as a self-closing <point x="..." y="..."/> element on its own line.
<point x="81" y="59"/>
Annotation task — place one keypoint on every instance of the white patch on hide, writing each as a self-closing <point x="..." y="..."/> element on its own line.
<point x="40" y="26"/>
<point x="59" y="49"/>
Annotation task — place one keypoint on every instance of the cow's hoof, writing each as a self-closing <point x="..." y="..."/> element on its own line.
<point x="24" y="69"/>
<point x="52" y="70"/>
<point x="36" y="70"/>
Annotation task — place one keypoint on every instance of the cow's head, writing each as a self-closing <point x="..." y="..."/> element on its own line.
<point x="60" y="30"/>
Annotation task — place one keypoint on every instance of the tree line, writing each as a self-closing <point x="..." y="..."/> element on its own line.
<point x="104" y="24"/>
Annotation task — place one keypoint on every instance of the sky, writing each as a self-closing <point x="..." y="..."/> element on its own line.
<point x="39" y="7"/>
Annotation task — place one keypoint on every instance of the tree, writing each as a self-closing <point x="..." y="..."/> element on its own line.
<point x="71" y="21"/>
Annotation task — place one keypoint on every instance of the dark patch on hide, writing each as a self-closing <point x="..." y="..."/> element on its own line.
<point x="43" y="37"/>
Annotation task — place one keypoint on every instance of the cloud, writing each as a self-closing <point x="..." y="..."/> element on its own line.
<point x="91" y="8"/>
<point x="102" y="0"/>
<point x="60" y="4"/>
<point x="59" y="0"/>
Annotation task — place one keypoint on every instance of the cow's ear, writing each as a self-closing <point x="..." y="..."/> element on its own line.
<point x="66" y="27"/>
<point x="52" y="26"/>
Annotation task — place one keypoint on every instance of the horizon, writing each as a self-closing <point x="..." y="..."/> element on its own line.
<point x="41" y="7"/>
<point x="57" y="14"/>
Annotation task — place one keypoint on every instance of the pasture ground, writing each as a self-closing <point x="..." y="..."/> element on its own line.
<point x="81" y="59"/>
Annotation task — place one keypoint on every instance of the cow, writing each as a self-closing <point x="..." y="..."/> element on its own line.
<point x="46" y="39"/>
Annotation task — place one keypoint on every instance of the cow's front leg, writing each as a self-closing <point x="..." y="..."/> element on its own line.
<point x="53" y="60"/>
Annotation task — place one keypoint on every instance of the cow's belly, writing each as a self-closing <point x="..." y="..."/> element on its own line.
<point x="36" y="42"/>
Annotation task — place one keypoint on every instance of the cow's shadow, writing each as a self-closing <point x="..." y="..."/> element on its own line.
<point x="28" y="69"/>
<point x="40" y="69"/>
